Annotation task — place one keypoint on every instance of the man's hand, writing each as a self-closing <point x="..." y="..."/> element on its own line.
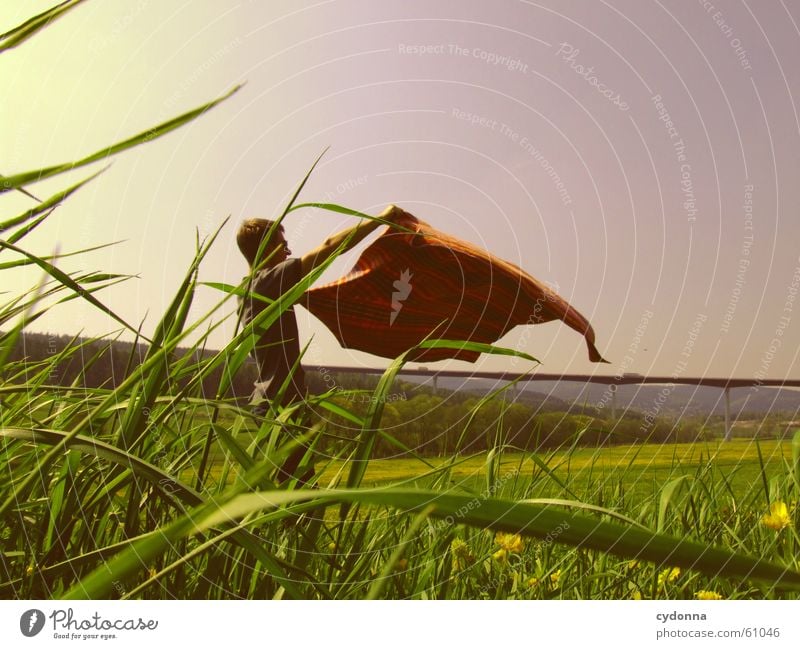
<point x="350" y="237"/>
<point x="391" y="213"/>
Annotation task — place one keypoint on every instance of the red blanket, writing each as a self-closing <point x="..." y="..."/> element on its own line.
<point x="409" y="287"/>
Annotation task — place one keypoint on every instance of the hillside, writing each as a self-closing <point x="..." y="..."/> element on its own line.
<point x="681" y="400"/>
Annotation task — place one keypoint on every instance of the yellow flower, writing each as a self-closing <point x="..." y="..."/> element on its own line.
<point x="554" y="577"/>
<point x="501" y="555"/>
<point x="462" y="557"/>
<point x="458" y="547"/>
<point x="511" y="543"/>
<point x="533" y="581"/>
<point x="668" y="576"/>
<point x="778" y="516"/>
<point x="707" y="594"/>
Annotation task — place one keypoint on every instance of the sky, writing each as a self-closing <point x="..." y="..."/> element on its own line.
<point x="640" y="157"/>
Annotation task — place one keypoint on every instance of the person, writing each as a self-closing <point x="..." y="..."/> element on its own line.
<point x="273" y="272"/>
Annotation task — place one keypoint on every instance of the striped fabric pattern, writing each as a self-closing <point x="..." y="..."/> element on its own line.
<point x="408" y="287"/>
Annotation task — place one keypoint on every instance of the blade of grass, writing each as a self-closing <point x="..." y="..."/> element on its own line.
<point x="91" y="277"/>
<point x="410" y="535"/>
<point x="669" y="490"/>
<point x="170" y="488"/>
<point x="576" y="530"/>
<point x="53" y="201"/>
<point x="32" y="26"/>
<point x="25" y="178"/>
<point x="67" y="281"/>
<point x="175" y="490"/>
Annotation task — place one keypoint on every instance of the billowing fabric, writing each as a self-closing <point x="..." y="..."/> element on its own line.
<point x="408" y="287"/>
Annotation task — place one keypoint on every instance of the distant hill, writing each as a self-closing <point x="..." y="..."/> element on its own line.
<point x="686" y="399"/>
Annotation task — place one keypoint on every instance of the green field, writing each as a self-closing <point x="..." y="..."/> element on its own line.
<point x="640" y="469"/>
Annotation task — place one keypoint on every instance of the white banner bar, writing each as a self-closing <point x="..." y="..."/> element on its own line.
<point x="399" y="624"/>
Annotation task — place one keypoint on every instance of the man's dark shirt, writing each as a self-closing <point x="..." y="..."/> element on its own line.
<point x="277" y="349"/>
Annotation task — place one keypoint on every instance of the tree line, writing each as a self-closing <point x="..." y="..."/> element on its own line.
<point x="415" y="417"/>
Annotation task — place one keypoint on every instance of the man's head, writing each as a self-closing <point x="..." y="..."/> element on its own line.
<point x="250" y="236"/>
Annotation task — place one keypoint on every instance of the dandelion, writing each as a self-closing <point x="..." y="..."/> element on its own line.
<point x="554" y="577"/>
<point x="778" y="516"/>
<point x="511" y="543"/>
<point x="707" y="594"/>
<point x="462" y="557"/>
<point x="667" y="576"/>
<point x="533" y="582"/>
<point x="501" y="555"/>
<point x="459" y="547"/>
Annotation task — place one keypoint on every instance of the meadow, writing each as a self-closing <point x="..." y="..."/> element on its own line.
<point x="158" y="487"/>
<point x="638" y="469"/>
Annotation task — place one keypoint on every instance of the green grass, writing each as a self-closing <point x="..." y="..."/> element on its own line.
<point x="157" y="488"/>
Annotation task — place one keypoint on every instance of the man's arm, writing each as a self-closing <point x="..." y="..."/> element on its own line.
<point x="319" y="255"/>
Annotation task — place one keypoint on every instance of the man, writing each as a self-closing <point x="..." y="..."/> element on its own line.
<point x="274" y="272"/>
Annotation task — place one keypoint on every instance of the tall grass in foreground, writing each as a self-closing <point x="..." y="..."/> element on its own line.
<point x="154" y="488"/>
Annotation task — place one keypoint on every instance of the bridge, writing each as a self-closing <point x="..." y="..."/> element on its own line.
<point x="724" y="384"/>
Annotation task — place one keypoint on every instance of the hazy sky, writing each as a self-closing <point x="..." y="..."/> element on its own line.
<point x="642" y="157"/>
